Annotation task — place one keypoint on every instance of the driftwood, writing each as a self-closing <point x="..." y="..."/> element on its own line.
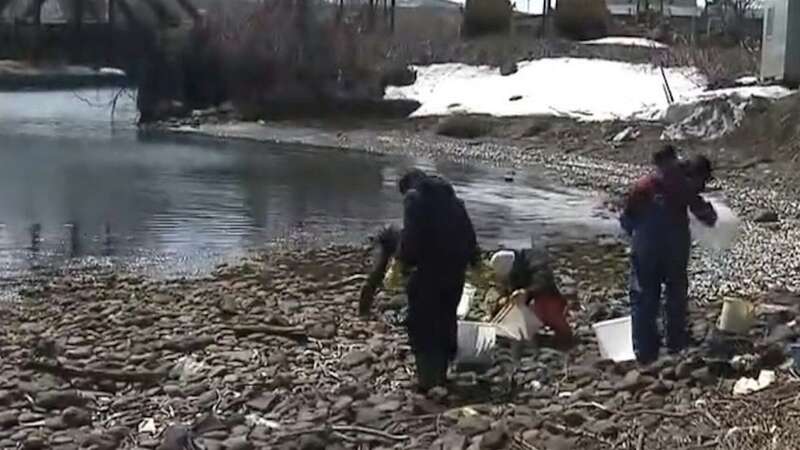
<point x="127" y="376"/>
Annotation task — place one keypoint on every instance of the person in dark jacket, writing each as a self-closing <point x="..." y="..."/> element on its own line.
<point x="656" y="218"/>
<point x="437" y="244"/>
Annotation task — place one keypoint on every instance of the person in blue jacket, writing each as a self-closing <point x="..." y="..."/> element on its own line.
<point x="655" y="217"/>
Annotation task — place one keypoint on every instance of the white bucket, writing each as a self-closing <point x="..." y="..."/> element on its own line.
<point x="476" y="341"/>
<point x="466" y="300"/>
<point x="615" y="338"/>
<point x="724" y="232"/>
<point x="516" y="321"/>
<point x="737" y="315"/>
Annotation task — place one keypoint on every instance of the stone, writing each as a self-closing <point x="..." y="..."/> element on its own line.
<point x="356" y="358"/>
<point x="173" y="390"/>
<point x="74" y="417"/>
<point x="320" y="331"/>
<point x="605" y="428"/>
<point x="34" y="442"/>
<point x="9" y="419"/>
<point x="473" y="425"/>
<point x="389" y="406"/>
<point x="59" y="399"/>
<point x="28" y="417"/>
<point x="262" y="403"/>
<point x="703" y="375"/>
<point x="176" y="437"/>
<point x="312" y="442"/>
<point x="238" y="443"/>
<point x="366" y="416"/>
<point x="494" y="440"/>
<point x="632" y="382"/>
<point x="450" y="441"/>
<point x="574" y="418"/>
<point x="341" y="404"/>
<point x="766" y="216"/>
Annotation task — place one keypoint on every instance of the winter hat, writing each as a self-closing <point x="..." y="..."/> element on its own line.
<point x="502" y="262"/>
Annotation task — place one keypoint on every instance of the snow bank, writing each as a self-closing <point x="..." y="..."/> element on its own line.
<point x="589" y="89"/>
<point x="586" y="89"/>
<point x="626" y="41"/>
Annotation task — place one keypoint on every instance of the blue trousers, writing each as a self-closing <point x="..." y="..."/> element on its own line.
<point x="656" y="261"/>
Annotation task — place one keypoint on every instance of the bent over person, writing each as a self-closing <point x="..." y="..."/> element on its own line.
<point x="437" y="244"/>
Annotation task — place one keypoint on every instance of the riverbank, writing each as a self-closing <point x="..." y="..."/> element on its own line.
<point x="270" y="354"/>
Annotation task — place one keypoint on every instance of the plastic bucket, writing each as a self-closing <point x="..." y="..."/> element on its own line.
<point x="466" y="300"/>
<point x="724" y="232"/>
<point x="476" y="341"/>
<point x="615" y="339"/>
<point x="737" y="315"/>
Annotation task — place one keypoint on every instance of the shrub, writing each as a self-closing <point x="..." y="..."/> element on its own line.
<point x="486" y="17"/>
<point x="582" y="19"/>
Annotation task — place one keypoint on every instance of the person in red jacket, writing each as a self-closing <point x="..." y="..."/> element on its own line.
<point x="655" y="217"/>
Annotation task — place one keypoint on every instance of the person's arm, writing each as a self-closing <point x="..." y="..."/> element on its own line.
<point x="703" y="210"/>
<point x="472" y="241"/>
<point x="411" y="237"/>
<point x="638" y="195"/>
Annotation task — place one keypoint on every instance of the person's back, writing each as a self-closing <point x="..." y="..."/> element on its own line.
<point x="438" y="233"/>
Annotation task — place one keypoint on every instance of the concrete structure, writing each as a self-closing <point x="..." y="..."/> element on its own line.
<point x="672" y="8"/>
<point x="780" y="59"/>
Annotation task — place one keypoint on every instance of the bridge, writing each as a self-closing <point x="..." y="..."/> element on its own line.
<point x="110" y="32"/>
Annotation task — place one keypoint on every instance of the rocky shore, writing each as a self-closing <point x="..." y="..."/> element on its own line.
<point x="271" y="354"/>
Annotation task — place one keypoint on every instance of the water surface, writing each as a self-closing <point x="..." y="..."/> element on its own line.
<point x="76" y="188"/>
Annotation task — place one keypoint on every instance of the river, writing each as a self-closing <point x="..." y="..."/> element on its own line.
<point x="77" y="189"/>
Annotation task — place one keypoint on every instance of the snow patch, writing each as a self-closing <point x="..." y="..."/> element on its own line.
<point x="585" y="89"/>
<point x="626" y="41"/>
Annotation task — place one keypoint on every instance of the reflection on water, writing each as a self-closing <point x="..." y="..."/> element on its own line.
<point x="75" y="189"/>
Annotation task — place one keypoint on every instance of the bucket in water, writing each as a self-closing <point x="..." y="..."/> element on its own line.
<point x="476" y="341"/>
<point x="737" y="315"/>
<point x="615" y="339"/>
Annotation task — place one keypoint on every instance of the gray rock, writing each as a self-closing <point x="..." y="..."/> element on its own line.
<point x="473" y="425"/>
<point x="703" y="375"/>
<point x="238" y="443"/>
<point x="494" y="440"/>
<point x="9" y="419"/>
<point x="450" y="441"/>
<point x="312" y="442"/>
<point x="632" y="382"/>
<point x="59" y="399"/>
<point x="356" y="358"/>
<point x="263" y="403"/>
<point x="766" y="216"/>
<point x="574" y="418"/>
<point x="605" y="428"/>
<point x="366" y="416"/>
<point x="35" y="442"/>
<point x="342" y="403"/>
<point x="74" y="417"/>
